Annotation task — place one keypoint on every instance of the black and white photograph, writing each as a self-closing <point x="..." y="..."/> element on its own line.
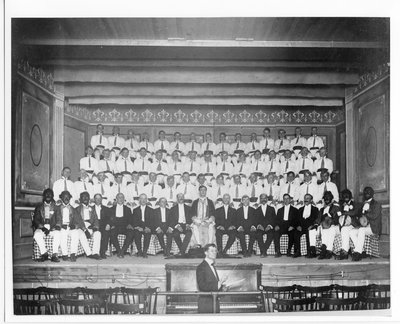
<point x="204" y="166"/>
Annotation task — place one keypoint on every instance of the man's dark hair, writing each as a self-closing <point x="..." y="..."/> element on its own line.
<point x="201" y="187"/>
<point x="328" y="195"/>
<point x="347" y="192"/>
<point x="207" y="246"/>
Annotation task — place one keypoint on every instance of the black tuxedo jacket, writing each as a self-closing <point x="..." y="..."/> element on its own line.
<point x="104" y="217"/>
<point x="246" y="223"/>
<point x="220" y="220"/>
<point x="174" y="215"/>
<point x="136" y="219"/>
<point x="157" y="221"/>
<point x="210" y="206"/>
<point x="268" y="219"/>
<point x="120" y="221"/>
<point x="305" y="223"/>
<point x="94" y="221"/>
<point x="39" y="216"/>
<point x="374" y="216"/>
<point x="293" y="219"/>
<point x="206" y="281"/>
<point x="333" y="210"/>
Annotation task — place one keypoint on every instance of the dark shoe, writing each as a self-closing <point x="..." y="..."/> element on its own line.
<point x="73" y="257"/>
<point x="65" y="257"/>
<point x="55" y="258"/>
<point x="96" y="256"/>
<point x="263" y="255"/>
<point x="343" y="255"/>
<point x="356" y="256"/>
<point x="328" y="254"/>
<point x="139" y="253"/>
<point x="296" y="255"/>
<point x="103" y="256"/>
<point x="322" y="253"/>
<point x="278" y="254"/>
<point x="145" y="255"/>
<point x="43" y="257"/>
<point x="120" y="254"/>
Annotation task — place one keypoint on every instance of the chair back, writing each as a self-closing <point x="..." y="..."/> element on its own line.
<point x="335" y="304"/>
<point x="272" y="292"/>
<point x="293" y="305"/>
<point x="114" y="308"/>
<point x="79" y="306"/>
<point x="146" y="298"/>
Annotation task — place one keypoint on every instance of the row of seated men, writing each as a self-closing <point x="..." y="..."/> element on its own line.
<point x="202" y="224"/>
<point x="116" y="142"/>
<point x="273" y="186"/>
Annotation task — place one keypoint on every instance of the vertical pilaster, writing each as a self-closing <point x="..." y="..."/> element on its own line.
<point x="58" y="136"/>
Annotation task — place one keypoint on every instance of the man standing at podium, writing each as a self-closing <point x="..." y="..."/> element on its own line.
<point x="208" y="280"/>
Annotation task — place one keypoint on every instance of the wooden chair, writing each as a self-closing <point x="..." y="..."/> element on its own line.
<point x="271" y="292"/>
<point x="114" y="308"/>
<point x="102" y="296"/>
<point x="79" y="306"/>
<point x="34" y="307"/>
<point x="293" y="305"/>
<point x="146" y="298"/>
<point x="335" y="304"/>
<point x="346" y="292"/>
<point x="375" y="302"/>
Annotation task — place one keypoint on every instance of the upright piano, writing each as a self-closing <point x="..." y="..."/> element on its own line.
<point x="244" y="297"/>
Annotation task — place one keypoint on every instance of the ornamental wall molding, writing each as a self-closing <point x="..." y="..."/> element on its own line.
<point x="369" y="78"/>
<point x="204" y="116"/>
<point x="43" y="78"/>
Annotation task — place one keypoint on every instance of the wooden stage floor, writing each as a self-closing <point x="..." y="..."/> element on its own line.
<point x="139" y="272"/>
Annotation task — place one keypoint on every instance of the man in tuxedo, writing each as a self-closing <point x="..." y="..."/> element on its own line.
<point x="225" y="223"/>
<point x="161" y="225"/>
<point x="103" y="215"/>
<point x="208" y="280"/>
<point x="370" y="222"/>
<point x="288" y="223"/>
<point x="141" y="224"/>
<point x="309" y="223"/>
<point x="119" y="221"/>
<point x="265" y="224"/>
<point x="45" y="223"/>
<point x="246" y="223"/>
<point x="180" y="222"/>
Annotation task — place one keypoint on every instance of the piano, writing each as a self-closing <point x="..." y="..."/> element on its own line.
<point x="182" y="292"/>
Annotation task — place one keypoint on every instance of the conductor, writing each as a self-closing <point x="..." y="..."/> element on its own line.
<point x="208" y="280"/>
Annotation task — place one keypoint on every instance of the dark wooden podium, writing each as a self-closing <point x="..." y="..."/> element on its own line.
<point x="245" y="297"/>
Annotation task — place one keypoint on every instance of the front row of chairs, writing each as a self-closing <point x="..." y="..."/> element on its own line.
<point x="335" y="297"/>
<point x="80" y="300"/>
<point x="295" y="298"/>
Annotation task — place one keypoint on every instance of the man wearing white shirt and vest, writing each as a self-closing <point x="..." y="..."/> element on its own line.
<point x="254" y="189"/>
<point x="273" y="165"/>
<point x="291" y="188"/>
<point x="370" y="222"/>
<point x="298" y="142"/>
<point x="242" y="168"/>
<point x="208" y="167"/>
<point x="327" y="185"/>
<point x="106" y="165"/>
<point x="271" y="189"/>
<point x="134" y="189"/>
<point x="64" y="184"/>
<point x="192" y="145"/>
<point x="323" y="163"/>
<point x="162" y="144"/>
<point x="267" y="143"/>
<point x="192" y="166"/>
<point x="304" y="164"/>
<point x="224" y="166"/>
<point x="308" y="187"/>
<point x="236" y="191"/>
<point x="89" y="163"/>
<point x="84" y="184"/>
<point x="253" y="145"/>
<point x="118" y="186"/>
<point x="145" y="143"/>
<point x="177" y="145"/>
<point x="258" y="166"/>
<point x="223" y="145"/>
<point x="287" y="165"/>
<point x="208" y="145"/>
<point x="282" y="143"/>
<point x="187" y="188"/>
<point x="152" y="190"/>
<point x="142" y="165"/>
<point x="103" y="187"/>
<point x="246" y="223"/>
<point x="89" y="227"/>
<point x="175" y="167"/>
<point x="238" y="146"/>
<point x="218" y="190"/>
<point x="160" y="167"/>
<point x="115" y="143"/>
<point x="314" y="143"/>
<point x="124" y="164"/>
<point x="132" y="144"/>
<point x="45" y="223"/>
<point x="99" y="140"/>
<point x="169" y="192"/>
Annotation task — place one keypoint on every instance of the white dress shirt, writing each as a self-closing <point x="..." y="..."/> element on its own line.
<point x="119" y="210"/>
